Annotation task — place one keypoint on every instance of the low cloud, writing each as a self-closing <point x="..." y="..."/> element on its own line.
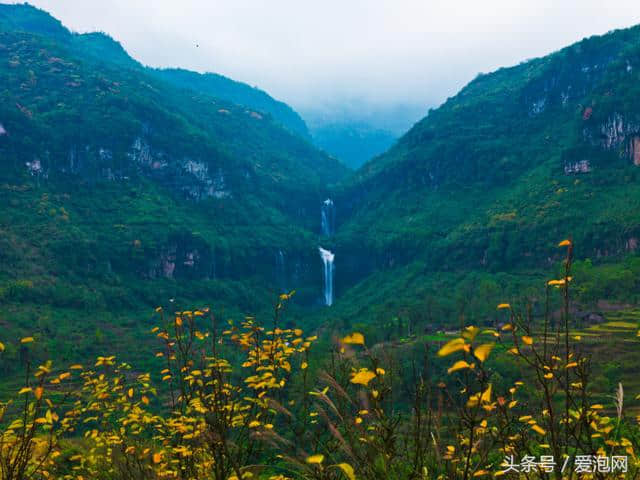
<point x="318" y="56"/>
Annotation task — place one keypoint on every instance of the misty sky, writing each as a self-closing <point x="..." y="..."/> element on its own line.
<point x="325" y="54"/>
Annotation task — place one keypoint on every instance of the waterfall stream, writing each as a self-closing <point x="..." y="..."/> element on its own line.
<point x="327" y="217"/>
<point x="327" y="259"/>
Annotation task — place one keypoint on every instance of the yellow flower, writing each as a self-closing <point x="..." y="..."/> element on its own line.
<point x="538" y="429"/>
<point x="354" y="339"/>
<point x="347" y="470"/>
<point x="363" y="377"/>
<point x="315" y="459"/>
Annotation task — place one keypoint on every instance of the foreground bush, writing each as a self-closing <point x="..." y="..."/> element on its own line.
<point x="243" y="401"/>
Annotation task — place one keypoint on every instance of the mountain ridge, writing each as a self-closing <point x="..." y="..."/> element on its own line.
<point x="102" y="47"/>
<point x="517" y="156"/>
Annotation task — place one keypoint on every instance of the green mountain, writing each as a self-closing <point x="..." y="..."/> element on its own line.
<point x="124" y="187"/>
<point x="236" y="92"/>
<point x="471" y="200"/>
<point x="120" y="191"/>
<point x="23" y="18"/>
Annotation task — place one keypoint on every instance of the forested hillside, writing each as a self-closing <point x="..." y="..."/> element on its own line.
<point x="463" y="204"/>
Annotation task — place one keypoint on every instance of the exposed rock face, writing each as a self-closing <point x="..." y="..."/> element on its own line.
<point x="34" y="167"/>
<point x="614" y="131"/>
<point x="195" y="178"/>
<point x="635" y="150"/>
<point x="583" y="166"/>
<point x="618" y="132"/>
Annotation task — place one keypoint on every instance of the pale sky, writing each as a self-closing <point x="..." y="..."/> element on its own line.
<point x="327" y="53"/>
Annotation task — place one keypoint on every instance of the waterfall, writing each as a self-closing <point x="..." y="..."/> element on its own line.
<point x="327" y="217"/>
<point x="327" y="259"/>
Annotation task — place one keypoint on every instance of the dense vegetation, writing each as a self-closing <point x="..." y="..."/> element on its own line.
<point x="231" y="400"/>
<point x="462" y="203"/>
<point x="124" y="187"/>
<point x="119" y="190"/>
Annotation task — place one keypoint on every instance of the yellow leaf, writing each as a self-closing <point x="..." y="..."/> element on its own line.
<point x="304" y="365"/>
<point x="27" y="340"/>
<point x="480" y="473"/>
<point x="564" y="243"/>
<point x="459" y="365"/>
<point x="548" y="376"/>
<point x="348" y="470"/>
<point x="451" y="347"/>
<point x="354" y="339"/>
<point x="486" y="395"/>
<point x="130" y="393"/>
<point x="572" y="364"/>
<point x="380" y="371"/>
<point x="24" y="390"/>
<point x="527" y="340"/>
<point x="470" y="332"/>
<point x="178" y="321"/>
<point x="38" y="392"/>
<point x="145" y="400"/>
<point x="76" y="367"/>
<point x="503" y="305"/>
<point x="1" y="347"/>
<point x="363" y="377"/>
<point x="157" y="457"/>
<point x="538" y="429"/>
<point x="482" y="352"/>
<point x="315" y="459"/>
